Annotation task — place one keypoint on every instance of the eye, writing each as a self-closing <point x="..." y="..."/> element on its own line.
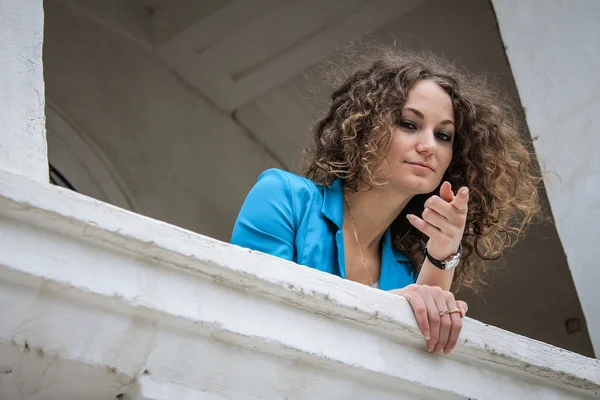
<point x="443" y="136"/>
<point x="407" y="124"/>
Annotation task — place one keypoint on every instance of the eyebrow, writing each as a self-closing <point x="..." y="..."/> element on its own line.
<point x="420" y="115"/>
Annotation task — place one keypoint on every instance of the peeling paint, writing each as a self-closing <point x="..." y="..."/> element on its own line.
<point x="22" y="77"/>
<point x="194" y="305"/>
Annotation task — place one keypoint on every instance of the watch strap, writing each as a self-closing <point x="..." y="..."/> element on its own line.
<point x="441" y="264"/>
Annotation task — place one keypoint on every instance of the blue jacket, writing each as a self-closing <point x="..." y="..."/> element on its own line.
<point x="291" y="217"/>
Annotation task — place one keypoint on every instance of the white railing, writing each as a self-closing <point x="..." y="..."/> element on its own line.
<point x="100" y="303"/>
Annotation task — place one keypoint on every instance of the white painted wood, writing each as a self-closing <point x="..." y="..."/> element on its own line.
<point x="183" y="47"/>
<point x="97" y="302"/>
<point x="180" y="53"/>
<point x="558" y="86"/>
<point x="363" y="22"/>
<point x="150" y="3"/>
<point x="275" y="32"/>
<point x="125" y="18"/>
<point x="79" y="158"/>
<point x="231" y="94"/>
<point x="22" y="129"/>
<point x="174" y="16"/>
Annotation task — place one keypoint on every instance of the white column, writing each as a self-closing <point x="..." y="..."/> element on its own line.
<point x="22" y="123"/>
<point x="553" y="47"/>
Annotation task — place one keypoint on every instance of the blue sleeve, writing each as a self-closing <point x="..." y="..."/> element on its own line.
<point x="266" y="222"/>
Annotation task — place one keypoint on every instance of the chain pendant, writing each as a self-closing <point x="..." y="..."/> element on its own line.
<point x="357" y="241"/>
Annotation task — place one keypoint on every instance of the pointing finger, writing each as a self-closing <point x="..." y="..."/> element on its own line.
<point x="461" y="200"/>
<point x="446" y="191"/>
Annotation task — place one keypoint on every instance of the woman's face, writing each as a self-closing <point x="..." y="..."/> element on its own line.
<point x="421" y="148"/>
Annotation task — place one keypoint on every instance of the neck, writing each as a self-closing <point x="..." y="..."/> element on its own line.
<point x="373" y="212"/>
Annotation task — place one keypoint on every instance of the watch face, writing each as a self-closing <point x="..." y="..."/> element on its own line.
<point x="452" y="262"/>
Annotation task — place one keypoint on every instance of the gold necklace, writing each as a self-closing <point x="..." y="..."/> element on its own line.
<point x="357" y="242"/>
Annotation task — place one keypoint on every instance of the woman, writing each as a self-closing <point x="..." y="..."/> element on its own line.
<point x="416" y="170"/>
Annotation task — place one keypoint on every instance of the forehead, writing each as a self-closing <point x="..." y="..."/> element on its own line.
<point x="430" y="99"/>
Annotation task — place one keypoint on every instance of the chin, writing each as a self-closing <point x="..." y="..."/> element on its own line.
<point x="421" y="190"/>
<point x="415" y="185"/>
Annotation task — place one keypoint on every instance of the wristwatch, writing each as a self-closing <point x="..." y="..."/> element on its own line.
<point x="447" y="264"/>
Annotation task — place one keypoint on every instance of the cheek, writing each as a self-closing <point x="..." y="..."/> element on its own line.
<point x="446" y="157"/>
<point x="445" y="160"/>
<point x="394" y="159"/>
<point x="398" y="146"/>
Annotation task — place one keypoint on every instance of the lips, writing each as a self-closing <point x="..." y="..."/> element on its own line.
<point x="421" y="164"/>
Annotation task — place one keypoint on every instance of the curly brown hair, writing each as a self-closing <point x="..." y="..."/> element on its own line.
<point x="490" y="156"/>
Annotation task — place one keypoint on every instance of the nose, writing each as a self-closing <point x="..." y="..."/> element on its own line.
<point x="426" y="143"/>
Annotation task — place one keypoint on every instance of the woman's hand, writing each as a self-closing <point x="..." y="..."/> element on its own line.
<point x="432" y="307"/>
<point x="444" y="219"/>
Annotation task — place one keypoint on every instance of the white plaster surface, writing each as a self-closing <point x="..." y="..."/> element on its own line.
<point x="22" y="123"/>
<point x="554" y="50"/>
<point x="98" y="302"/>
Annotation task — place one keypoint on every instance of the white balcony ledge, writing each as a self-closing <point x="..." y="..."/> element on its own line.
<point x="100" y="303"/>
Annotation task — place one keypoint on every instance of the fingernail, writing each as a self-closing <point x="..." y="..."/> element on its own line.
<point x="429" y="350"/>
<point x="464" y="191"/>
<point x="409" y="216"/>
<point x="426" y="337"/>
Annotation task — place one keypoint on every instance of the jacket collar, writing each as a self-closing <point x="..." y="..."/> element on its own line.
<point x="333" y="210"/>
<point x="333" y="203"/>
